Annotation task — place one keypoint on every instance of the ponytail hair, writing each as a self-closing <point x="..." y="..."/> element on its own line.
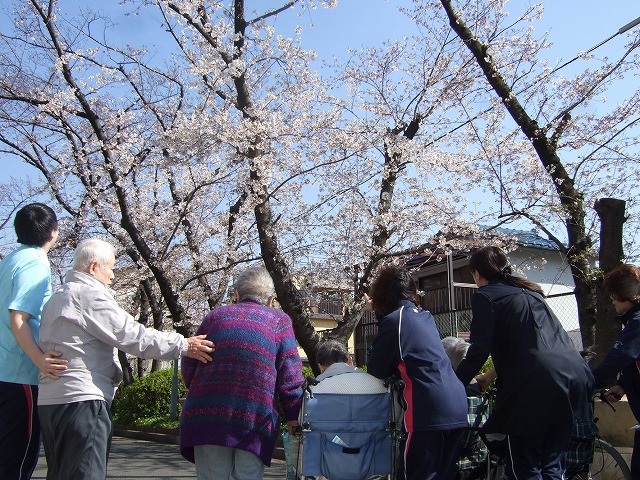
<point x="492" y="263"/>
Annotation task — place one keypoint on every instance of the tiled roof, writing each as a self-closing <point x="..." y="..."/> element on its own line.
<point x="529" y="238"/>
<point x="524" y="238"/>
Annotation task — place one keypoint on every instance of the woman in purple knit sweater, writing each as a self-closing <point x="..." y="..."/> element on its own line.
<point x="229" y="423"/>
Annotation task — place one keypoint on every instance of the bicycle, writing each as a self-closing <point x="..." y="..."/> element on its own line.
<point x="605" y="463"/>
<point x="596" y="458"/>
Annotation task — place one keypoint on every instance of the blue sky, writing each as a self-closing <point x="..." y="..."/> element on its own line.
<point x="574" y="26"/>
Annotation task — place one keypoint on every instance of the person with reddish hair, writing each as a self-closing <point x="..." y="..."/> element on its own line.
<point x="623" y="284"/>
<point x="408" y="346"/>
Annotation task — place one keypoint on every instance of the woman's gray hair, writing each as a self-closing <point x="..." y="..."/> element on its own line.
<point x="255" y="283"/>
<point x="92" y="250"/>
<point x="456" y="349"/>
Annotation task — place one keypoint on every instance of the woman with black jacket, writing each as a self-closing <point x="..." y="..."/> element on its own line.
<point x="543" y="382"/>
<point x="408" y="345"/>
<point x="623" y="284"/>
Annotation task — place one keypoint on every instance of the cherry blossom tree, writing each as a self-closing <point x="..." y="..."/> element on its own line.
<point x="227" y="146"/>
<point x="178" y="160"/>
<point x="96" y="121"/>
<point x="559" y="157"/>
<point x="220" y="154"/>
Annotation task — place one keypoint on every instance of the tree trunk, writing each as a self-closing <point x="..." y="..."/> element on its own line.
<point x="585" y="293"/>
<point x="545" y="145"/>
<point x="150" y="308"/>
<point x="288" y="295"/>
<point x="612" y="217"/>
<point x="127" y="370"/>
<point x="141" y="367"/>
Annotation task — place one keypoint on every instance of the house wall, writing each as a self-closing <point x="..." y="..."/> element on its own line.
<point x="548" y="268"/>
<point x="545" y="267"/>
<point x="325" y="322"/>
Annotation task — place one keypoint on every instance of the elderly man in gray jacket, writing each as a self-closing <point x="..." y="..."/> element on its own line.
<point x="84" y="322"/>
<point x="334" y="362"/>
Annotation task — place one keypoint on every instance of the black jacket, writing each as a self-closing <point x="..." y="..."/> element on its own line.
<point x="624" y="357"/>
<point x="408" y="344"/>
<point x="542" y="379"/>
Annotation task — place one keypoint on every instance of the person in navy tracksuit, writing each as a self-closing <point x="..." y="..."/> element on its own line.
<point x="623" y="284"/>
<point x="543" y="383"/>
<point x="408" y="344"/>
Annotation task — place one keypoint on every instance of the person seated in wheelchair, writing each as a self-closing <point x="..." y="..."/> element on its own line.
<point x="339" y="378"/>
<point x="335" y="363"/>
<point x="456" y="349"/>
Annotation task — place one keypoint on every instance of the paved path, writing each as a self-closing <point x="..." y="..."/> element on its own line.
<point x="139" y="459"/>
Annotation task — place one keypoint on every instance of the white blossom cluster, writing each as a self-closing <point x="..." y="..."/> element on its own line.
<point x="228" y="146"/>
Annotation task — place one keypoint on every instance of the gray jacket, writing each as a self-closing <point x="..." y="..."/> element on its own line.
<point x="82" y="321"/>
<point x="345" y="379"/>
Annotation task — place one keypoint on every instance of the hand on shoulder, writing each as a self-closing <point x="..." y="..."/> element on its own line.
<point x="199" y="348"/>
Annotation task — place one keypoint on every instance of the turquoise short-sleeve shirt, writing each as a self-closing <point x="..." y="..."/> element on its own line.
<point x="25" y="285"/>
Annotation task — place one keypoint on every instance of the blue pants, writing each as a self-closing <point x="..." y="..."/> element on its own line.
<point x="19" y="431"/>
<point x="540" y="455"/>
<point x="430" y="455"/>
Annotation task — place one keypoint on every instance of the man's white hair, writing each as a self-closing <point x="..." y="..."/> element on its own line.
<point x="92" y="250"/>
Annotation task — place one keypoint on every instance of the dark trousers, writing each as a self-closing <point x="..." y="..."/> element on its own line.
<point x="430" y="455"/>
<point x="538" y="455"/>
<point x="19" y="431"/>
<point x="77" y="439"/>
<point x="635" y="456"/>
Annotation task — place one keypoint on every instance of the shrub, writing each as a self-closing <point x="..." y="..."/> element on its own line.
<point x="307" y="372"/>
<point x="146" y="397"/>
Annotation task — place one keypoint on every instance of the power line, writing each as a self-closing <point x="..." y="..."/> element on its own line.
<point x="620" y="31"/>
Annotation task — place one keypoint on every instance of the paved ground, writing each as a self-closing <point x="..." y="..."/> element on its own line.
<point x="140" y="459"/>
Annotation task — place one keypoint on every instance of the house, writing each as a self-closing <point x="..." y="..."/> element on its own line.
<point x="446" y="285"/>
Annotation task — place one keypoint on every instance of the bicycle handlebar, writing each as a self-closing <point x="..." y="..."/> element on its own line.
<point x="603" y="398"/>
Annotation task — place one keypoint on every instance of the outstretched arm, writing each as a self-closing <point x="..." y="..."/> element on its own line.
<point x="485" y="379"/>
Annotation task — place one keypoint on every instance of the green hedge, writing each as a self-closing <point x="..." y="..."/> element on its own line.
<point x="147" y="397"/>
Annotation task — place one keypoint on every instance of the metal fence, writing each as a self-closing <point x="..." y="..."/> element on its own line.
<point x="457" y="324"/>
<point x="364" y="334"/>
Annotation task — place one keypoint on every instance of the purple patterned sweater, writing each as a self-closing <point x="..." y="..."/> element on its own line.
<point x="232" y="401"/>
